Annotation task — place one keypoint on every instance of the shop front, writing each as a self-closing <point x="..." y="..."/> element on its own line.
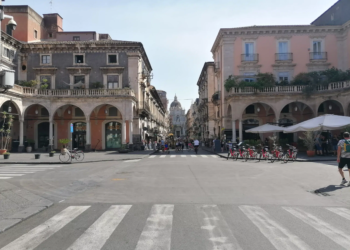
<point x="113" y="135"/>
<point x="79" y="135"/>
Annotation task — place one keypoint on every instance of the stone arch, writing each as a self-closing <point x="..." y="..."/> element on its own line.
<point x="330" y="107"/>
<point x="55" y="108"/>
<point x="25" y="109"/>
<point x="118" y="107"/>
<point x="260" y="110"/>
<point x="16" y="103"/>
<point x="296" y="111"/>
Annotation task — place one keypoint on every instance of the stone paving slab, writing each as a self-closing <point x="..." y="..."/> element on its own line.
<point x="28" y="158"/>
<point x="18" y="204"/>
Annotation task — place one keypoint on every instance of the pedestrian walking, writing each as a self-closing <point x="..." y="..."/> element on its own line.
<point x="324" y="145"/>
<point x="343" y="156"/>
<point x="318" y="145"/>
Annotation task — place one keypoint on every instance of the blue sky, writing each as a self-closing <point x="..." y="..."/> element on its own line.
<point x="177" y="34"/>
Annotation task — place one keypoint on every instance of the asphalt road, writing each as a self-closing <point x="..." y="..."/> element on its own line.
<point x="183" y="201"/>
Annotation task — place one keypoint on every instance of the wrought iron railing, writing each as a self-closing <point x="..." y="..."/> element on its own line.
<point x="250" y="57"/>
<point x="284" y="56"/>
<point x="315" y="56"/>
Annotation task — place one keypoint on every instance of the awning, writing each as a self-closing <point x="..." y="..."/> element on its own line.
<point x="266" y="128"/>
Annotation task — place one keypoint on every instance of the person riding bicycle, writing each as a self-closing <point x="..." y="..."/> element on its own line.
<point x="196" y="145"/>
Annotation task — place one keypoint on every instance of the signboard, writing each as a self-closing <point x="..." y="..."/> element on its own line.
<point x="71" y="128"/>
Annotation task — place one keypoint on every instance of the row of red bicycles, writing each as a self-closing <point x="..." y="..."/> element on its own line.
<point x="248" y="152"/>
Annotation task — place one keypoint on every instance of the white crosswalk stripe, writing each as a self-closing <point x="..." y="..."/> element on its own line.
<point x="183" y="156"/>
<point x="279" y="236"/>
<point x="172" y="156"/>
<point x="204" y="156"/>
<point x="8" y="172"/>
<point x="193" y="155"/>
<point x="36" y="236"/>
<point x="152" y="156"/>
<point x="212" y="230"/>
<point x="216" y="230"/>
<point x="99" y="232"/>
<point x="338" y="236"/>
<point x="157" y="232"/>
<point x="162" y="156"/>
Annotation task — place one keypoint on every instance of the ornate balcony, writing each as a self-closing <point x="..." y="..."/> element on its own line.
<point x="318" y="56"/>
<point x="284" y="57"/>
<point x="32" y="92"/>
<point x="250" y="57"/>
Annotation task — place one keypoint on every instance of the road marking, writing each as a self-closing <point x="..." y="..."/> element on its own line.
<point x="323" y="227"/>
<point x="99" y="232"/>
<point x="343" y="212"/>
<point x="61" y="201"/>
<point x="132" y="160"/>
<point x="172" y="156"/>
<point x="279" y="236"/>
<point x="183" y="155"/>
<point x="204" y="156"/>
<point x="214" y="156"/>
<point x="11" y="174"/>
<point x="162" y="156"/>
<point x="39" y="234"/>
<point x="152" y="156"/>
<point x="157" y="232"/>
<point x="193" y="155"/>
<point x="5" y="178"/>
<point x="216" y="230"/>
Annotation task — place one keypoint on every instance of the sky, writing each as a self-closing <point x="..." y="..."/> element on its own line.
<point x="176" y="34"/>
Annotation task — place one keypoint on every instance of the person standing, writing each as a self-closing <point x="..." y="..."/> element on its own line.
<point x="335" y="144"/>
<point x="343" y="156"/>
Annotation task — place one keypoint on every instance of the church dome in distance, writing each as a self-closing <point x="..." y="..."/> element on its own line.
<point x="175" y="103"/>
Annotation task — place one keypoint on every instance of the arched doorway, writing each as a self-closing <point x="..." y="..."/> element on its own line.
<point x="43" y="134"/>
<point x="330" y="107"/>
<point x="78" y="135"/>
<point x="113" y="135"/>
<point x="13" y="137"/>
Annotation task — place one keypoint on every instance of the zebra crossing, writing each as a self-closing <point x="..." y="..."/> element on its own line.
<point x="182" y="156"/>
<point x="11" y="171"/>
<point x="215" y="228"/>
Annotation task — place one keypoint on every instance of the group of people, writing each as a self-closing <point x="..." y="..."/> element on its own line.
<point x="322" y="144"/>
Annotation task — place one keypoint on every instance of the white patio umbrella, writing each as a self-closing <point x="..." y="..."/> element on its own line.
<point x="266" y="128"/>
<point x="323" y="122"/>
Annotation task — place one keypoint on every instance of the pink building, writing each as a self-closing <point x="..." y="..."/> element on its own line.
<point x="284" y="51"/>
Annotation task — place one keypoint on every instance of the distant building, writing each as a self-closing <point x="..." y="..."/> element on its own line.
<point x="178" y="118"/>
<point x="163" y="98"/>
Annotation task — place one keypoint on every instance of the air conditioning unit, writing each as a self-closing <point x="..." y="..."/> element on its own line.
<point x="7" y="78"/>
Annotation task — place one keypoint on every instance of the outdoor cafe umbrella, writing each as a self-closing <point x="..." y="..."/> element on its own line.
<point x="323" y="122"/>
<point x="266" y="128"/>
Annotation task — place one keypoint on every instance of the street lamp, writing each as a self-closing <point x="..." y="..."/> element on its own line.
<point x="330" y="107"/>
<point x="36" y="112"/>
<point x="258" y="109"/>
<point x="9" y="109"/>
<point x="296" y="108"/>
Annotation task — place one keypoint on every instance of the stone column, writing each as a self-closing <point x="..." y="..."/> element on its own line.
<point x="50" y="135"/>
<point x="130" y="134"/>
<point x="124" y="132"/>
<point x="233" y="131"/>
<point x="21" y="146"/>
<point x="240" y="130"/>
<point x="88" y="134"/>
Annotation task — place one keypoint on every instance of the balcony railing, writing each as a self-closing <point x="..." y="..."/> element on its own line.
<point x="315" y="56"/>
<point x="284" y="57"/>
<point x="25" y="91"/>
<point x="250" y="57"/>
<point x="289" y="89"/>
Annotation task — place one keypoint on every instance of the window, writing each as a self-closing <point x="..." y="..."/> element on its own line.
<point x="46" y="79"/>
<point x="249" y="52"/>
<point x="317" y="50"/>
<point x="112" y="81"/>
<point x="76" y="38"/>
<point x="112" y="59"/>
<point x="50" y="35"/>
<point x="79" y="112"/>
<point x="250" y="109"/>
<point x="113" y="111"/>
<point x="79" y="79"/>
<point x="35" y="34"/>
<point x="79" y="59"/>
<point x="46" y="59"/>
<point x="283" y="51"/>
<point x="247" y="78"/>
<point x="283" y="76"/>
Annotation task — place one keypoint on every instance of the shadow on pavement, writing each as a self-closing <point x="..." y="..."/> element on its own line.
<point x="330" y="188"/>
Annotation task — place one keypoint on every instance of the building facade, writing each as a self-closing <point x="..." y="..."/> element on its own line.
<point x="82" y="86"/>
<point x="285" y="51"/>
<point x="178" y="118"/>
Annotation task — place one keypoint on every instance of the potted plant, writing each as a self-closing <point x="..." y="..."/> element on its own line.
<point x="64" y="141"/>
<point x="123" y="149"/>
<point x="30" y="142"/>
<point x="6" y="155"/>
<point x="5" y="131"/>
<point x="308" y="140"/>
<point x="52" y="153"/>
<point x="37" y="156"/>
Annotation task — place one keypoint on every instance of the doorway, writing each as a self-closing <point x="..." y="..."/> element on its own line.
<point x="44" y="134"/>
<point x="79" y="135"/>
<point x="113" y="135"/>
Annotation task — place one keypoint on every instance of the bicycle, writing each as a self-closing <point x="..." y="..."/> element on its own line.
<point x="241" y="151"/>
<point x="291" y="154"/>
<point x="276" y="153"/>
<point x="232" y="152"/>
<point x="264" y="154"/>
<point x="71" y="154"/>
<point x="251" y="153"/>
